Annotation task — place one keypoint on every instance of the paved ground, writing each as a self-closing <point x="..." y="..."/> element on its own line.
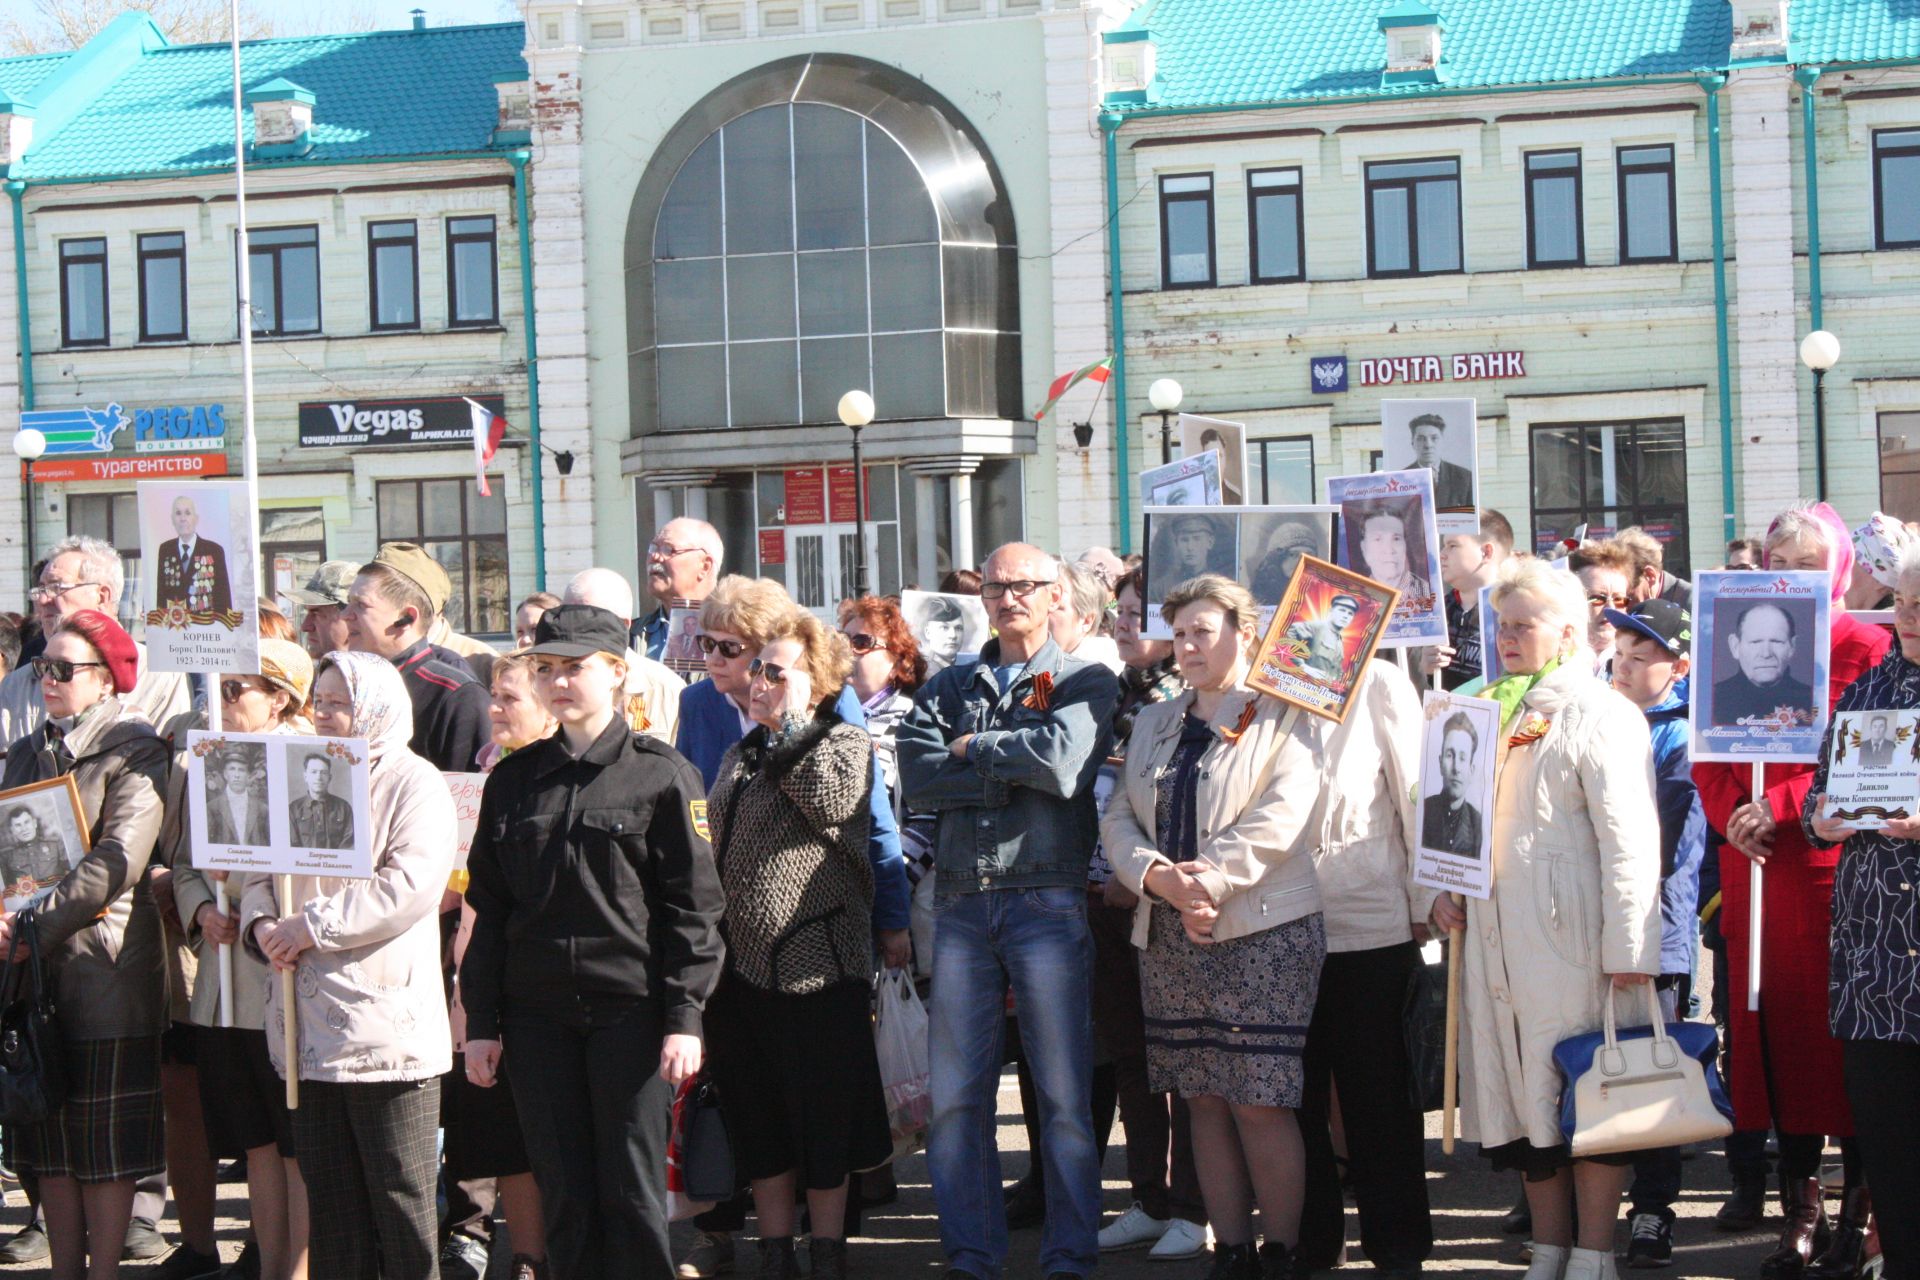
<point x="1467" y="1200"/>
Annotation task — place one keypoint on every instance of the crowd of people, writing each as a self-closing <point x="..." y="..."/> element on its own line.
<point x="1106" y="859"/>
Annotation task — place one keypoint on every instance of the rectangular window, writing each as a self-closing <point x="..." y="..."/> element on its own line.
<point x="1186" y="231"/>
<point x="1275" y="227"/>
<point x="1608" y="476"/>
<point x="293" y="544"/>
<point x="472" y="272"/>
<point x="114" y="518"/>
<point x="393" y="275"/>
<point x="1900" y="465"/>
<point x="83" y="293"/>
<point x="1283" y="471"/>
<point x="466" y="533"/>
<point x="1555" y="236"/>
<point x="162" y="259"/>
<point x="283" y="267"/>
<point x="1413" y="211"/>
<point x="1646" y="204"/>
<point x="1896" y="189"/>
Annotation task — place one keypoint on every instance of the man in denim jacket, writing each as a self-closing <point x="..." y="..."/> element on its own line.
<point x="1005" y="747"/>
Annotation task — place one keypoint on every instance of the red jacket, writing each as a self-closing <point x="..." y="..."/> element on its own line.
<point x="1800" y="1056"/>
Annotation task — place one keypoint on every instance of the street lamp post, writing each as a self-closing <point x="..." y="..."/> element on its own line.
<point x="1164" y="395"/>
<point x="1820" y="351"/>
<point x="28" y="444"/>
<point x="856" y="410"/>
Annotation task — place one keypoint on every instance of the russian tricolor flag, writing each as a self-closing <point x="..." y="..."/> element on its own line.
<point x="488" y="429"/>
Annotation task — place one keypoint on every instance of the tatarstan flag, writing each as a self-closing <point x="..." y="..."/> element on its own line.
<point x="1098" y="371"/>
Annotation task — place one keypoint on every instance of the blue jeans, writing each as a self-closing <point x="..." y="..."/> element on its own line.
<point x="1036" y="939"/>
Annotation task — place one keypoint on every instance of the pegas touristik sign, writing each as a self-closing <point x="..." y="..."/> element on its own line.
<point x="166" y="441"/>
<point x="433" y="422"/>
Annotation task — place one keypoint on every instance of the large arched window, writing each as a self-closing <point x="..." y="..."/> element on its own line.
<point x="850" y="232"/>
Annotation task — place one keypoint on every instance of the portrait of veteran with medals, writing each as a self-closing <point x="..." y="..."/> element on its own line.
<point x="1762" y="643"/>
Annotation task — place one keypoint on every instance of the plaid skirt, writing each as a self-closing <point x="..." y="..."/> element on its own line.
<point x="110" y="1128"/>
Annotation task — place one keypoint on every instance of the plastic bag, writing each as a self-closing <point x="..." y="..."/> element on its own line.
<point x="900" y="1039"/>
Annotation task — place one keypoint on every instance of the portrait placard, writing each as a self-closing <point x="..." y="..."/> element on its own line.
<point x="199" y="576"/>
<point x="1387" y="533"/>
<point x="1257" y="546"/>
<point x="1458" y="750"/>
<point x="1760" y="654"/>
<point x="43" y="835"/>
<point x="682" y="653"/>
<point x="1440" y="435"/>
<point x="466" y="789"/>
<point x="1323" y="635"/>
<point x="279" y="804"/>
<point x="1192" y="481"/>
<point x="1873" y="767"/>
<point x="944" y="625"/>
<point x="1229" y="439"/>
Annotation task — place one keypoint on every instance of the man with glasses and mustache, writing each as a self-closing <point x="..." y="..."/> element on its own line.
<point x="683" y="564"/>
<point x="85" y="573"/>
<point x="1005" y="747"/>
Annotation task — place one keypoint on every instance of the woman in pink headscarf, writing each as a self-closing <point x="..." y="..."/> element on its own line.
<point x="1786" y="1067"/>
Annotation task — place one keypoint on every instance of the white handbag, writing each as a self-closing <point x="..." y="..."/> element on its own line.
<point x="1643" y="1092"/>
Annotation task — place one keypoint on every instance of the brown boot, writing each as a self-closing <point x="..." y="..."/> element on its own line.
<point x="1805" y="1235"/>
<point x="1845" y="1256"/>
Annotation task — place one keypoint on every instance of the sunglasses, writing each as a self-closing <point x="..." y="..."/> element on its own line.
<point x="60" y="669"/>
<point x="1601" y="600"/>
<point x="772" y="672"/>
<point x="232" y="690"/>
<point x="861" y="642"/>
<point x="729" y="649"/>
<point x="1021" y="587"/>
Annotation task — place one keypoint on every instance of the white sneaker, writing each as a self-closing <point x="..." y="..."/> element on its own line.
<point x="1131" y="1229"/>
<point x="1549" y="1262"/>
<point x="1591" y="1264"/>
<point x="1182" y="1239"/>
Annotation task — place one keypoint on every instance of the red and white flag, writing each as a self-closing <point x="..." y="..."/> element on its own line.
<point x="488" y="428"/>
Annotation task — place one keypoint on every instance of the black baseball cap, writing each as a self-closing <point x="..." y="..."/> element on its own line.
<point x="578" y="631"/>
<point x="1662" y="621"/>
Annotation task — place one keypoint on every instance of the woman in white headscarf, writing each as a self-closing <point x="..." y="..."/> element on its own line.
<point x="371" y="1013"/>
<point x="1878" y="546"/>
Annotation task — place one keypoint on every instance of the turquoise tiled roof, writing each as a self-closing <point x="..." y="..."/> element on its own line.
<point x="380" y="93"/>
<point x="18" y="76"/>
<point x="1853" y="30"/>
<point x="1238" y="52"/>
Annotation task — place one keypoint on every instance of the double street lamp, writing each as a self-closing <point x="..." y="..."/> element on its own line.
<point x="856" y="410"/>
<point x="1165" y="395"/>
<point x="1820" y="351"/>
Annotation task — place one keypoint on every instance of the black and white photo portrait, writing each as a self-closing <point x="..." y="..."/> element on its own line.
<point x="237" y="796"/>
<point x="319" y="800"/>
<point x="41" y="839"/>
<point x="1387" y="541"/>
<point x="1271" y="544"/>
<point x="1459" y="749"/>
<point x="1189" y="544"/>
<point x="1438" y="435"/>
<point x="1229" y="439"/>
<point x="1877" y="744"/>
<point x="1449" y="820"/>
<point x="944" y="625"/>
<point x="1770" y="667"/>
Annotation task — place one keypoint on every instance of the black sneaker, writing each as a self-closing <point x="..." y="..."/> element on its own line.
<point x="1651" y="1243"/>
<point x="462" y="1258"/>
<point x="187" y="1263"/>
<point x="144" y="1241"/>
<point x="28" y="1245"/>
<point x="247" y="1265"/>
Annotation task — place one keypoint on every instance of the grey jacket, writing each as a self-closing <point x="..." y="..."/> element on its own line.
<point x="99" y="925"/>
<point x="1019" y="813"/>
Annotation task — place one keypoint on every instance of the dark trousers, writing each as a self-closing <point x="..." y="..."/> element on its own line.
<point x="368" y="1154"/>
<point x="1746" y="1148"/>
<point x="1357" y="1042"/>
<point x="1656" y="1171"/>
<point x="1159" y="1149"/>
<point x="1883" y="1086"/>
<point x="596" y="1114"/>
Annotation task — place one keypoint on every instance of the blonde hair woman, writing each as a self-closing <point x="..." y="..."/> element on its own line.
<point x="1216" y="785"/>
<point x="1575" y="912"/>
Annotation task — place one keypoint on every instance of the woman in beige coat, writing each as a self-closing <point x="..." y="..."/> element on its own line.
<point x="371" y="1013"/>
<point x="1216" y="788"/>
<point x="1575" y="912"/>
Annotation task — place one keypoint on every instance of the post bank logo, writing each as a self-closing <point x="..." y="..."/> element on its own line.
<point x="1329" y="373"/>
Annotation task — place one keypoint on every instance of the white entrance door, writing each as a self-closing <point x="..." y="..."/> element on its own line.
<point x="820" y="564"/>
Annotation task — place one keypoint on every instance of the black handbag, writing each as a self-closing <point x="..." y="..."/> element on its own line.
<point x="1423" y="1022"/>
<point x="706" y="1149"/>
<point x="33" y="1079"/>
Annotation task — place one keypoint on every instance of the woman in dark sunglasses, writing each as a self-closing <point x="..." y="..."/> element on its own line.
<point x="734" y="622"/>
<point x="100" y="932"/>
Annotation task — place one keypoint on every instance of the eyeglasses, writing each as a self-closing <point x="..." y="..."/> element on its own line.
<point x="232" y="690"/>
<point x="1601" y="599"/>
<point x="1021" y="587"/>
<point x="772" y="672"/>
<point x="54" y="590"/>
<point x="60" y="669"/>
<point x="729" y="649"/>
<point x="666" y="550"/>
<point x="861" y="642"/>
